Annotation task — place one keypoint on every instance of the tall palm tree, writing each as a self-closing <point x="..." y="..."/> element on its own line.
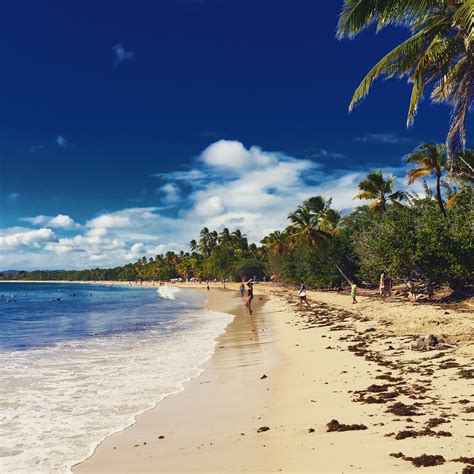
<point x="379" y="191"/>
<point x="308" y="226"/>
<point x="439" y="53"/>
<point x="213" y="241"/>
<point x="203" y="245"/>
<point x="428" y="158"/>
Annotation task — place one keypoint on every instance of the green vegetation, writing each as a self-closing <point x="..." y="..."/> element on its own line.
<point x="426" y="238"/>
<point x="438" y="55"/>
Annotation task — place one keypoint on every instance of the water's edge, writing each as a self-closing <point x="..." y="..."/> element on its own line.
<point x="200" y="369"/>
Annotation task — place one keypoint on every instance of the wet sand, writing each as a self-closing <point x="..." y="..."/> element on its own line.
<point x="321" y="365"/>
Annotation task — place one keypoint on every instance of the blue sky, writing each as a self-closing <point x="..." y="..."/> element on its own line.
<point x="125" y="126"/>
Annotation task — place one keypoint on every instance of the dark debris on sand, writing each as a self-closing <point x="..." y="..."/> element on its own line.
<point x="400" y="409"/>
<point x="433" y="422"/>
<point x="425" y="460"/>
<point x="466" y="374"/>
<point x="464" y="459"/>
<point x="262" y="429"/>
<point x="416" y="434"/>
<point x="334" y="425"/>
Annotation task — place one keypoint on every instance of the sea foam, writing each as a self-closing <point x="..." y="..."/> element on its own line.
<point x="168" y="292"/>
<point x="58" y="403"/>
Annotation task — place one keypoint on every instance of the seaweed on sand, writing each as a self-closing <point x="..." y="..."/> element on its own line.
<point x="334" y="425"/>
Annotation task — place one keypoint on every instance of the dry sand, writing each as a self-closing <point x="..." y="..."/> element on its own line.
<point x="317" y="363"/>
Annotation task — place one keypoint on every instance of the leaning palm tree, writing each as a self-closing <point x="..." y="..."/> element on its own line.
<point x="439" y="54"/>
<point x="308" y="227"/>
<point x="380" y="191"/>
<point x="428" y="158"/>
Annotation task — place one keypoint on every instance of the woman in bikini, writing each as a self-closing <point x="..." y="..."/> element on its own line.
<point x="249" y="296"/>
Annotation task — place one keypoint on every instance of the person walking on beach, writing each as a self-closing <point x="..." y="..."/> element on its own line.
<point x="302" y="295"/>
<point x="207" y="286"/>
<point x="353" y="293"/>
<point x="385" y="286"/>
<point x="249" y="296"/>
<point x="242" y="289"/>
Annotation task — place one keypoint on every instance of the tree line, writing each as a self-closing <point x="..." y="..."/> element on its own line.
<point x="427" y="238"/>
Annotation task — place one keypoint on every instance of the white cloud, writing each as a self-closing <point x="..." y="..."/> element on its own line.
<point x="61" y="221"/>
<point x="61" y="141"/>
<point x="235" y="187"/>
<point x="121" y="54"/>
<point x="171" y="193"/>
<point x="209" y="205"/>
<point x="110" y="221"/>
<point x="31" y="238"/>
<point x="137" y="248"/>
<point x="190" y="176"/>
<point x="383" y="138"/>
<point x="232" y="155"/>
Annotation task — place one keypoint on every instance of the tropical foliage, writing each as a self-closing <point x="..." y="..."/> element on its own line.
<point x="437" y="56"/>
<point x="426" y="237"/>
<point x="380" y="191"/>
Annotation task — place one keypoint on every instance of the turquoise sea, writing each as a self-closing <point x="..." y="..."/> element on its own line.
<point x="78" y="362"/>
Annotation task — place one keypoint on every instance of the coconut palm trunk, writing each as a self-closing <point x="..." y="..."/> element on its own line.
<point x="338" y="268"/>
<point x="438" y="194"/>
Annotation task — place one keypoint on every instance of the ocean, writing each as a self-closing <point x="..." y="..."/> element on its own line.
<point x="79" y="362"/>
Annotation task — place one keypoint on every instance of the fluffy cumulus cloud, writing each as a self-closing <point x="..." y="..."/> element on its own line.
<point x="27" y="238"/>
<point x="170" y="193"/>
<point x="232" y="155"/>
<point x="230" y="185"/>
<point x="60" y="221"/>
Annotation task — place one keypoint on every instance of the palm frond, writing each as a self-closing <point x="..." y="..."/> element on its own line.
<point x="417" y="173"/>
<point x="406" y="53"/>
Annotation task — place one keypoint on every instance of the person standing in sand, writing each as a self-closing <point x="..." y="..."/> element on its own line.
<point x="353" y="293"/>
<point x="207" y="286"/>
<point x="249" y="296"/>
<point x="382" y="284"/>
<point x="302" y="295"/>
<point x="242" y="289"/>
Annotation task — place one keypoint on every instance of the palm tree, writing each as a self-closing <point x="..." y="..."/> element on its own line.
<point x="225" y="238"/>
<point x="276" y="243"/>
<point x="464" y="181"/>
<point x="428" y="158"/>
<point x="203" y="245"/>
<point x="318" y="204"/>
<point x="379" y="191"/>
<point x="193" y="246"/>
<point x="308" y="226"/>
<point x="239" y="240"/>
<point x="212" y="241"/>
<point x="439" y="54"/>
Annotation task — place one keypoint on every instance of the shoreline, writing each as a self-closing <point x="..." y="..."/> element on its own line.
<point x="116" y="452"/>
<point x="321" y="364"/>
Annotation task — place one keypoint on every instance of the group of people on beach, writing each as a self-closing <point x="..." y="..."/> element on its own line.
<point x="304" y="298"/>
